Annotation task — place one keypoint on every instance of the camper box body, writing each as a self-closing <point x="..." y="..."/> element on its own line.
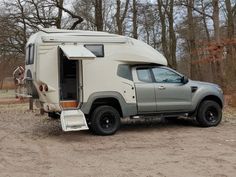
<point x="87" y="75"/>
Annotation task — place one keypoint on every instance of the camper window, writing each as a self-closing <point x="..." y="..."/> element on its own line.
<point x="96" y="49"/>
<point x="30" y="54"/>
<point x="124" y="71"/>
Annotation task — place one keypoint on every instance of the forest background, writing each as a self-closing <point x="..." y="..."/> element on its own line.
<point x="196" y="36"/>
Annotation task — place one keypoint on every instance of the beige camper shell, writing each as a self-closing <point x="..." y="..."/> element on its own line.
<point x="70" y="70"/>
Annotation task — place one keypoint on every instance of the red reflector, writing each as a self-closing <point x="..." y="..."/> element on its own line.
<point x="69" y="104"/>
<point x="41" y="88"/>
<point x="45" y="88"/>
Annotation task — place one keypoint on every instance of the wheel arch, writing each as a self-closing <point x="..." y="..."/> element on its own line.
<point x="212" y="98"/>
<point x="114" y="99"/>
<point x="208" y="97"/>
<point x="108" y="101"/>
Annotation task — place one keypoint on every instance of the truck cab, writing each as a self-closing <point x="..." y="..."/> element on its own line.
<point x="162" y="91"/>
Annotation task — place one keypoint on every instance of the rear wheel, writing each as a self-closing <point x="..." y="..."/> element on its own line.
<point x="209" y="114"/>
<point x="105" y="120"/>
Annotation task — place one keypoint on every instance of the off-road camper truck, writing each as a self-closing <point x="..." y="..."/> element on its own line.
<point x="92" y="79"/>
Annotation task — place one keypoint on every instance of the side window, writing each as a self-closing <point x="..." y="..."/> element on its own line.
<point x="30" y="54"/>
<point x="124" y="71"/>
<point x="96" y="49"/>
<point x="144" y="74"/>
<point x="27" y="55"/>
<point x="163" y="75"/>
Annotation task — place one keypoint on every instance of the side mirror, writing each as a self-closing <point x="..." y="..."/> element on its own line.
<point x="184" y="79"/>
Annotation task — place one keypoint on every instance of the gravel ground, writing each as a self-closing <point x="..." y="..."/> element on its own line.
<point x="32" y="145"/>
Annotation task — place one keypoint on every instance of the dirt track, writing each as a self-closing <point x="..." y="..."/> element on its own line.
<point x="33" y="145"/>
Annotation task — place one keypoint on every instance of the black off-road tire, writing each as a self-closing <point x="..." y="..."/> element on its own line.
<point x="209" y="114"/>
<point x="105" y="120"/>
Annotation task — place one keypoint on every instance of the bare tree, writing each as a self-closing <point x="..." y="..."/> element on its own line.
<point x="191" y="36"/>
<point x="172" y="35"/>
<point x="121" y="17"/>
<point x="166" y="14"/>
<point x="151" y="21"/>
<point x="60" y="5"/>
<point x="204" y="18"/>
<point x="98" y="14"/>
<point x="217" y="67"/>
<point x="163" y="28"/>
<point x="216" y="20"/>
<point x="230" y="21"/>
<point x="231" y="62"/>
<point x="134" y="19"/>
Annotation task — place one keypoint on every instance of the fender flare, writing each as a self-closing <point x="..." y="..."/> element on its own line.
<point x="127" y="109"/>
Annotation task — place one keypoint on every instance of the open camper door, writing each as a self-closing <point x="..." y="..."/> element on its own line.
<point x="70" y="74"/>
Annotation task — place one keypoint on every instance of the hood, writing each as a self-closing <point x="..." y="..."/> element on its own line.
<point x="204" y="83"/>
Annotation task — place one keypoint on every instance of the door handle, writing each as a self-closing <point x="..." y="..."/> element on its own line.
<point x="161" y="87"/>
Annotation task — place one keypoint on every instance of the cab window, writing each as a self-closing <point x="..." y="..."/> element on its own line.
<point x="163" y="75"/>
<point x="144" y="74"/>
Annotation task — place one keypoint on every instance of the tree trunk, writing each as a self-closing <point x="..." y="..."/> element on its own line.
<point x="118" y="21"/>
<point x="98" y="15"/>
<point x="205" y="21"/>
<point x="135" y="25"/>
<point x="191" y="37"/>
<point x="218" y="68"/>
<point x="230" y="20"/>
<point x="230" y="59"/>
<point x="172" y="36"/>
<point x="59" y="18"/>
<point x="216" y="20"/>
<point x="120" y="18"/>
<point x="163" y="30"/>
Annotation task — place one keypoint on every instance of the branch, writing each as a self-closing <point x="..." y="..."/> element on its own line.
<point x="125" y="11"/>
<point x="75" y="24"/>
<point x="195" y="9"/>
<point x="80" y="19"/>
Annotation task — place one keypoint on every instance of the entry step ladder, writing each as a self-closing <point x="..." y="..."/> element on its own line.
<point x="73" y="120"/>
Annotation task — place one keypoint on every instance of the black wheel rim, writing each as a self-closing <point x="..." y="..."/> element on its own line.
<point x="211" y="114"/>
<point x="107" y="121"/>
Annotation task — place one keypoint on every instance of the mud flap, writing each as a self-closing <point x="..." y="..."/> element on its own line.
<point x="73" y="120"/>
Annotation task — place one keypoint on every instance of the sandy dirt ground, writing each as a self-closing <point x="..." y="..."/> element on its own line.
<point x="32" y="145"/>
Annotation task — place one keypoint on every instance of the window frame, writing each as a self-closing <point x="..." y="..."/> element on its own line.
<point x="102" y="45"/>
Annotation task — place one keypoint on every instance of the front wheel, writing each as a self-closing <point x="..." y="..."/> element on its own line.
<point x="209" y="114"/>
<point x="105" y="120"/>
